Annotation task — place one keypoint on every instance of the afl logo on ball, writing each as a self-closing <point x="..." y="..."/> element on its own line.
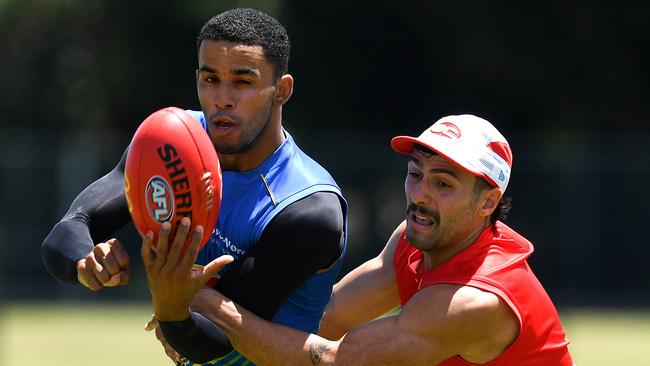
<point x="160" y="199"/>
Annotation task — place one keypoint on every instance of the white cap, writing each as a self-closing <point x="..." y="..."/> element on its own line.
<point x="468" y="141"/>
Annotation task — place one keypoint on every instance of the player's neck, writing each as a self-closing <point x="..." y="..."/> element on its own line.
<point x="267" y="143"/>
<point x="437" y="256"/>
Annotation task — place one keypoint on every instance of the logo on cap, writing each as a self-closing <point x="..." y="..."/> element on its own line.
<point x="160" y="199"/>
<point x="446" y="129"/>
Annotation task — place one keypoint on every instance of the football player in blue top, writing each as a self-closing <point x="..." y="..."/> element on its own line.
<point x="282" y="218"/>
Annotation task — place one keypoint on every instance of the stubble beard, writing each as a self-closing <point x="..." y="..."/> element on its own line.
<point x="441" y="235"/>
<point x="250" y="136"/>
<point x="421" y="241"/>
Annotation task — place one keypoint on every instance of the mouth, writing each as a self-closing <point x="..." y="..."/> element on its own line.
<point x="421" y="221"/>
<point x="223" y="125"/>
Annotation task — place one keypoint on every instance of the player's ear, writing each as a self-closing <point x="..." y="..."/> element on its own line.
<point x="283" y="89"/>
<point x="490" y="199"/>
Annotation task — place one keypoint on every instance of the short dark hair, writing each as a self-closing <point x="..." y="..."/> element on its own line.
<point x="505" y="204"/>
<point x="252" y="28"/>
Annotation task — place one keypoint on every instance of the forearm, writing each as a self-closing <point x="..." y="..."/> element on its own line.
<point x="268" y="344"/>
<point x="364" y="294"/>
<point x="197" y="338"/>
<point x="380" y="342"/>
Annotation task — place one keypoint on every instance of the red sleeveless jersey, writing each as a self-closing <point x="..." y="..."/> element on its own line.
<point x="496" y="263"/>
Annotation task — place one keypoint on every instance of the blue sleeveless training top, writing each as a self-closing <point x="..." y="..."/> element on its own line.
<point x="249" y="201"/>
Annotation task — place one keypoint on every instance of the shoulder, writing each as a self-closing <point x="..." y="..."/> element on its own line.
<point x="319" y="210"/>
<point x="389" y="250"/>
<point x="317" y="219"/>
<point x="478" y="325"/>
<point x="312" y="227"/>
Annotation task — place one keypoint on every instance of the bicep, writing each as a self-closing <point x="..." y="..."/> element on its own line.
<point x="438" y="322"/>
<point x="304" y="238"/>
<point x="389" y="341"/>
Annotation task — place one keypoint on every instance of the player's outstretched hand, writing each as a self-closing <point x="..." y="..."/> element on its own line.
<point x="170" y="277"/>
<point x="107" y="265"/>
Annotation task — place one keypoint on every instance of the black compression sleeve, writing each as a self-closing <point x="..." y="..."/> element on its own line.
<point x="97" y="213"/>
<point x="307" y="236"/>
<point x="207" y="339"/>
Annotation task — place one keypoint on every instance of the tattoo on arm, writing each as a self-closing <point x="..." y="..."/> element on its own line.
<point x="316" y="351"/>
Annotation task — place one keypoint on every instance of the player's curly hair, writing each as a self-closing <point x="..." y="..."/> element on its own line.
<point x="253" y="28"/>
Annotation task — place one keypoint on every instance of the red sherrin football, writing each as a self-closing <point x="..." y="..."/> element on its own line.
<point x="172" y="171"/>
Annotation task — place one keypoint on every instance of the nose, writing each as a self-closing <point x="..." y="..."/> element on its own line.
<point x="419" y="194"/>
<point x="223" y="98"/>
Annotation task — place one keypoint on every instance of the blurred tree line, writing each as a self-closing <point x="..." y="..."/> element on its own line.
<point x="566" y="82"/>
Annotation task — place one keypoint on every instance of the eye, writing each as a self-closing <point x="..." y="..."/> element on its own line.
<point x="243" y="81"/>
<point x="442" y="184"/>
<point x="211" y="79"/>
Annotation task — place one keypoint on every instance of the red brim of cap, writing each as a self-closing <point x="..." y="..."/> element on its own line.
<point x="405" y="144"/>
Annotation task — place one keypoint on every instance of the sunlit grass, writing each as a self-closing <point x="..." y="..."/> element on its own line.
<point x="70" y="335"/>
<point x="607" y="337"/>
<point x="112" y="334"/>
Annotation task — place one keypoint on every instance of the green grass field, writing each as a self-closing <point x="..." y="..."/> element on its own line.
<point x="76" y="335"/>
